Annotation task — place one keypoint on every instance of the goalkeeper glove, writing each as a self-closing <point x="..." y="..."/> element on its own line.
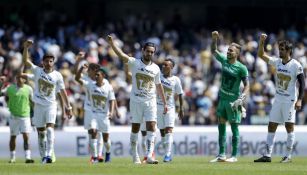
<point x="239" y="102"/>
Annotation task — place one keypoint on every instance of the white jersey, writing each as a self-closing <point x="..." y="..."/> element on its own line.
<point x="285" y="79"/>
<point x="86" y="80"/>
<point x="144" y="80"/>
<point x="100" y="97"/>
<point x="171" y="86"/>
<point x="46" y="85"/>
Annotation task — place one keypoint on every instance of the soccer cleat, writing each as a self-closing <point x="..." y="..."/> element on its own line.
<point x="94" y="160"/>
<point x="107" y="158"/>
<point x="145" y="158"/>
<point x="219" y="158"/>
<point x="167" y="158"/>
<point x="136" y="160"/>
<point x="263" y="159"/>
<point x="100" y="159"/>
<point x="12" y="161"/>
<point x="46" y="159"/>
<point x="53" y="157"/>
<point x="29" y="161"/>
<point x="232" y="159"/>
<point x="286" y="160"/>
<point x="151" y="160"/>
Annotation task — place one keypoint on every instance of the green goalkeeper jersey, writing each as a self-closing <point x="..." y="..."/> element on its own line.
<point x="232" y="74"/>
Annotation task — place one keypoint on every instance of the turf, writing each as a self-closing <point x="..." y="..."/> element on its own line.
<point x="179" y="166"/>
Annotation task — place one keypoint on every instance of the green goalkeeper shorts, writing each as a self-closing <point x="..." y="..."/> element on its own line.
<point x="225" y="111"/>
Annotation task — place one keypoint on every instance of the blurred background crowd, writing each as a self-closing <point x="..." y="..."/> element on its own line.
<point x="188" y="45"/>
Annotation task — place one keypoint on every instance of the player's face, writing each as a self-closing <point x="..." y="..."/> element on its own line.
<point x="99" y="77"/>
<point x="91" y="73"/>
<point x="167" y="67"/>
<point x="232" y="52"/>
<point x="48" y="63"/>
<point x="283" y="53"/>
<point x="148" y="53"/>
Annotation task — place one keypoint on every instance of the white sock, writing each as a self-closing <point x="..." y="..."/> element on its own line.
<point x="290" y="142"/>
<point x="150" y="141"/>
<point x="144" y="145"/>
<point x="168" y="143"/>
<point x="94" y="147"/>
<point x="42" y="139"/>
<point x="50" y="140"/>
<point x="163" y="141"/>
<point x="270" y="143"/>
<point x="134" y="143"/>
<point x="13" y="155"/>
<point x="28" y="154"/>
<point x="107" y="146"/>
<point x="100" y="144"/>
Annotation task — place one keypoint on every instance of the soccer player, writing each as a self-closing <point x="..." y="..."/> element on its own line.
<point x="46" y="83"/>
<point x="19" y="100"/>
<point x="145" y="82"/>
<point x="166" y="122"/>
<point x="230" y="100"/>
<point x="286" y="102"/>
<point x="100" y="95"/>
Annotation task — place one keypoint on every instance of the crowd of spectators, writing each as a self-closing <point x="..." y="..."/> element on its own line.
<point x="188" y="46"/>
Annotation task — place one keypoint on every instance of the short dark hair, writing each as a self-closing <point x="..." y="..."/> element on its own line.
<point x="94" y="66"/>
<point x="48" y="55"/>
<point x="149" y="44"/>
<point x="288" y="45"/>
<point x="171" y="60"/>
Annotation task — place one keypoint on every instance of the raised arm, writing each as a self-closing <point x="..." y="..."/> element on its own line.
<point x="162" y="96"/>
<point x="124" y="57"/>
<point x="78" y="58"/>
<point x="78" y="74"/>
<point x="25" y="54"/>
<point x="127" y="73"/>
<point x="261" y="52"/>
<point x="215" y="37"/>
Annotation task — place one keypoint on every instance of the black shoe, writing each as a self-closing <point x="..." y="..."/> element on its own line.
<point x="29" y="161"/>
<point x="263" y="159"/>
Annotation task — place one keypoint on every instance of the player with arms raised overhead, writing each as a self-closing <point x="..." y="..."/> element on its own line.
<point x="287" y="101"/>
<point x="145" y="83"/>
<point x="230" y="106"/>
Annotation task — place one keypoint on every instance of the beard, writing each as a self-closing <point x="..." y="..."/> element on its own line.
<point x="147" y="58"/>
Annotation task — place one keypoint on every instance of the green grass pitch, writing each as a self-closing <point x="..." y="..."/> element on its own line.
<point x="179" y="166"/>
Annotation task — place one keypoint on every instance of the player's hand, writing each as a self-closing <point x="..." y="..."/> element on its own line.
<point x="110" y="114"/>
<point x="298" y="105"/>
<point x="117" y="114"/>
<point x="236" y="104"/>
<point x="28" y="44"/>
<point x="263" y="37"/>
<point x="68" y="112"/>
<point x="165" y="109"/>
<point x="215" y="35"/>
<point x="109" y="39"/>
<point x="180" y="114"/>
<point x="80" y="56"/>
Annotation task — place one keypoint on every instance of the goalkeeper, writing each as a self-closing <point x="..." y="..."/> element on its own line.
<point x="230" y="106"/>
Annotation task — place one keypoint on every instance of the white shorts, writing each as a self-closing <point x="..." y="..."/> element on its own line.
<point x="166" y="120"/>
<point x="103" y="122"/>
<point x="44" y="114"/>
<point x="146" y="110"/>
<point x="282" y="112"/>
<point x="19" y="125"/>
<point x="90" y="122"/>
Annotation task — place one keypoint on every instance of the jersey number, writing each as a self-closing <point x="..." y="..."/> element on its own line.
<point x="283" y="81"/>
<point x="99" y="101"/>
<point x="144" y="81"/>
<point x="45" y="88"/>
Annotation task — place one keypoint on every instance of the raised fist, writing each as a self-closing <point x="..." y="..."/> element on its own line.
<point x="215" y="35"/>
<point x="27" y="43"/>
